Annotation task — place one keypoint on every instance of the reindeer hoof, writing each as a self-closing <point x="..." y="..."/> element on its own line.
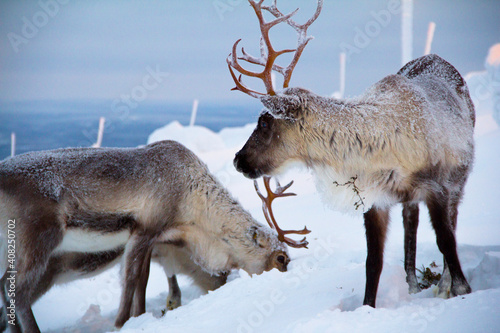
<point x="414" y="289"/>
<point x="443" y="293"/>
<point x="173" y="303"/>
<point x="460" y="289"/>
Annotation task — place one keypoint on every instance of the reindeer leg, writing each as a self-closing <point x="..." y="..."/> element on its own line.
<point x="444" y="284"/>
<point x="136" y="252"/>
<point x="376" y="221"/>
<point x="24" y="290"/>
<point x="44" y="284"/>
<point x="139" y="304"/>
<point x="410" y="223"/>
<point x="438" y="204"/>
<point x="170" y="267"/>
<point x="174" y="293"/>
<point x="33" y="250"/>
<point x="6" y="301"/>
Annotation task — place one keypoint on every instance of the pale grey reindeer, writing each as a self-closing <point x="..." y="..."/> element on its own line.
<point x="407" y="139"/>
<point x="86" y="202"/>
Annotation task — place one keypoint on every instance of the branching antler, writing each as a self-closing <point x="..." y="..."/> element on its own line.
<point x="268" y="212"/>
<point x="267" y="53"/>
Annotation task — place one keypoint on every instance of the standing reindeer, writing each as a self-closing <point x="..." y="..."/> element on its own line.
<point x="79" y="206"/>
<point x="408" y="138"/>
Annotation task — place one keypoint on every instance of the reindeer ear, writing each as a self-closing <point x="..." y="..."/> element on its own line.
<point x="282" y="106"/>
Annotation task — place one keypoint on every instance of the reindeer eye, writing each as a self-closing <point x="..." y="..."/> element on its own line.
<point x="264" y="124"/>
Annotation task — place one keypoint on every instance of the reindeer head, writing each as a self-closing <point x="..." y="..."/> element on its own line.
<point x="275" y="141"/>
<point x="263" y="252"/>
<point x="249" y="246"/>
<point x="223" y="236"/>
<point x="278" y="138"/>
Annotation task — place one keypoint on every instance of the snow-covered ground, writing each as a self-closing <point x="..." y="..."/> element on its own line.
<point x="324" y="286"/>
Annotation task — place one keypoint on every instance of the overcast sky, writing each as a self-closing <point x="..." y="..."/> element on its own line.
<point x="176" y="50"/>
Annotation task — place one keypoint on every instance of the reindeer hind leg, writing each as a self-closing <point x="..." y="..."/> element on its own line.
<point x="139" y="303"/>
<point x="439" y="211"/>
<point x="33" y="251"/>
<point x="136" y="253"/>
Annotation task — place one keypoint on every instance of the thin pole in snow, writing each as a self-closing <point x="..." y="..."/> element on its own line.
<point x="193" y="112"/>
<point x="12" y="144"/>
<point x="342" y="74"/>
<point x="100" y="133"/>
<point x="430" y="37"/>
<point x="406" y="31"/>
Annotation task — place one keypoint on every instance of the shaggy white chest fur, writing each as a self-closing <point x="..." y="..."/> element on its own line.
<point x="348" y="193"/>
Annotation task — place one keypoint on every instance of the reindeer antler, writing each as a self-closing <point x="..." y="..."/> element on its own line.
<point x="267" y="53"/>
<point x="268" y="212"/>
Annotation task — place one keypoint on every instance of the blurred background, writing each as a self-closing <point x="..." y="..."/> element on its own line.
<point x="140" y="64"/>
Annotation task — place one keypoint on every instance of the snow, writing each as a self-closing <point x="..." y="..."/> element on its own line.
<point x="196" y="138"/>
<point x="484" y="88"/>
<point x="324" y="287"/>
<point x="494" y="56"/>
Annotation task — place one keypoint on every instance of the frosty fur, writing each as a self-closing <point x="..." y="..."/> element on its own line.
<point x="408" y="138"/>
<point x="85" y="203"/>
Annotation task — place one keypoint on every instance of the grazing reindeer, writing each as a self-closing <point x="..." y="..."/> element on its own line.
<point x="80" y="203"/>
<point x="408" y="138"/>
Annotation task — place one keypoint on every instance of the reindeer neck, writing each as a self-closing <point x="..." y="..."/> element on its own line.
<point x="214" y="208"/>
<point x="335" y="130"/>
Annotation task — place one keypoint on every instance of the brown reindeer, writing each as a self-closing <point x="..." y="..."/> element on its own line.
<point x="79" y="208"/>
<point x="407" y="139"/>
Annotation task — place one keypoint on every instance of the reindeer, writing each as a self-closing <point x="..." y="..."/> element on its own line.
<point x="77" y="206"/>
<point x="407" y="139"/>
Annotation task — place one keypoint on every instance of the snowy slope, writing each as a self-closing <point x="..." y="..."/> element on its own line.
<point x="324" y="287"/>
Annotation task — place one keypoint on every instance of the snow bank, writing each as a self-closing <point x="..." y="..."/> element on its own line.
<point x="197" y="138"/>
<point x="484" y="88"/>
<point x="493" y="58"/>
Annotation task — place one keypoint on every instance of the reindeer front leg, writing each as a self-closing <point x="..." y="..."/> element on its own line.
<point x="174" y="293"/>
<point x="376" y="221"/>
<point x="137" y="251"/>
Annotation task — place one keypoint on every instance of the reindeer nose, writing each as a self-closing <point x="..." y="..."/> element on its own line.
<point x="281" y="261"/>
<point x="236" y="160"/>
<point x="241" y="164"/>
